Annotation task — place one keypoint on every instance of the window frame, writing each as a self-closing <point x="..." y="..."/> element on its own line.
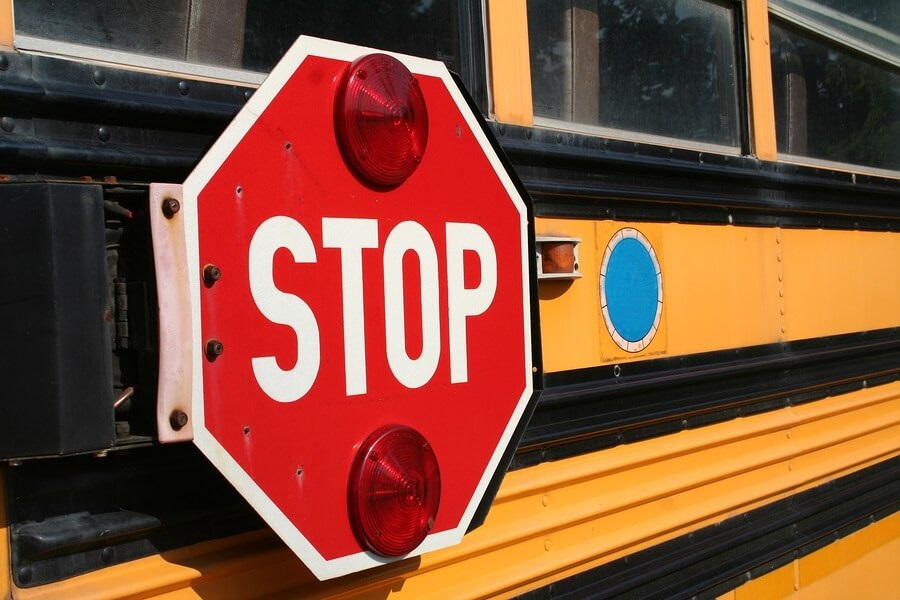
<point x="819" y="27"/>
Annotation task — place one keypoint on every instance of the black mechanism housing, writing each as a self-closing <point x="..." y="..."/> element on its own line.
<point x="55" y="312"/>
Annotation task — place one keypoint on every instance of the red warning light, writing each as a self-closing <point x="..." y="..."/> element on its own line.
<point x="394" y="491"/>
<point x="380" y="120"/>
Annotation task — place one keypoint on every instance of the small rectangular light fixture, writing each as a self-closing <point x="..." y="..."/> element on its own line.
<point x="557" y="257"/>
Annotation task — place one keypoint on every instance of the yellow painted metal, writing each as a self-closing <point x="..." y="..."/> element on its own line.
<point x="720" y="286"/>
<point x="573" y="333"/>
<point x="780" y="584"/>
<point x="726" y="287"/>
<point x="720" y="290"/>
<point x="861" y="565"/>
<point x="6" y="23"/>
<point x="570" y="309"/>
<point x="839" y="282"/>
<point x="762" y="107"/>
<point x="559" y="518"/>
<point x="510" y="63"/>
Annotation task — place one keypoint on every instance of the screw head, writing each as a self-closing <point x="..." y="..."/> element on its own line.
<point x="214" y="349"/>
<point x="211" y="274"/>
<point x="170" y="207"/>
<point x="178" y="419"/>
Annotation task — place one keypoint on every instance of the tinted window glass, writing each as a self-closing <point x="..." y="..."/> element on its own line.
<point x="421" y="27"/>
<point x="834" y="105"/>
<point x="660" y="67"/>
<point x="252" y="34"/>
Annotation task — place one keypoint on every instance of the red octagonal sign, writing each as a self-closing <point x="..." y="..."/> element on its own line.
<point x="361" y="326"/>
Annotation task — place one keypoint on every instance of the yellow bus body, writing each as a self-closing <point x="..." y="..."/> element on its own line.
<point x="725" y="286"/>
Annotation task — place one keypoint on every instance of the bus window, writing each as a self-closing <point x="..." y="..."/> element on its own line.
<point x="836" y="100"/>
<point x="422" y="28"/>
<point x="247" y="35"/>
<point x="664" y="69"/>
<point x="189" y="30"/>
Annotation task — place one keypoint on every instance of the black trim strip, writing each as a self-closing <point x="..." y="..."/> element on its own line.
<point x="590" y="409"/>
<point x="721" y="557"/>
<point x="579" y="176"/>
<point x="68" y="119"/>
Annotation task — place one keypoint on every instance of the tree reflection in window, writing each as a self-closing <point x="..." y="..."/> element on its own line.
<point x="834" y="105"/>
<point x="246" y="34"/>
<point x="661" y="67"/>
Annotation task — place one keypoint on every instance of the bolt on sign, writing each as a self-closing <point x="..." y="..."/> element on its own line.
<point x="360" y="288"/>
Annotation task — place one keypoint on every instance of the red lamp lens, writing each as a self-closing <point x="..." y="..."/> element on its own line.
<point x="394" y="491"/>
<point x="380" y="120"/>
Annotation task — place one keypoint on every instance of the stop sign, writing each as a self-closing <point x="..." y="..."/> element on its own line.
<point x="349" y="327"/>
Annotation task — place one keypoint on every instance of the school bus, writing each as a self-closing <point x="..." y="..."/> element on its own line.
<point x="715" y="187"/>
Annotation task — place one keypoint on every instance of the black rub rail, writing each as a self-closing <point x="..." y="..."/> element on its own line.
<point x="589" y="409"/>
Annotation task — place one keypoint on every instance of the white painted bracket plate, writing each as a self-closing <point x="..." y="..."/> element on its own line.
<point x="173" y="404"/>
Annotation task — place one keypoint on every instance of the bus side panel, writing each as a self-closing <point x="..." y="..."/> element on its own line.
<point x="725" y="287"/>
<point x="568" y="518"/>
<point x="862" y="565"/>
